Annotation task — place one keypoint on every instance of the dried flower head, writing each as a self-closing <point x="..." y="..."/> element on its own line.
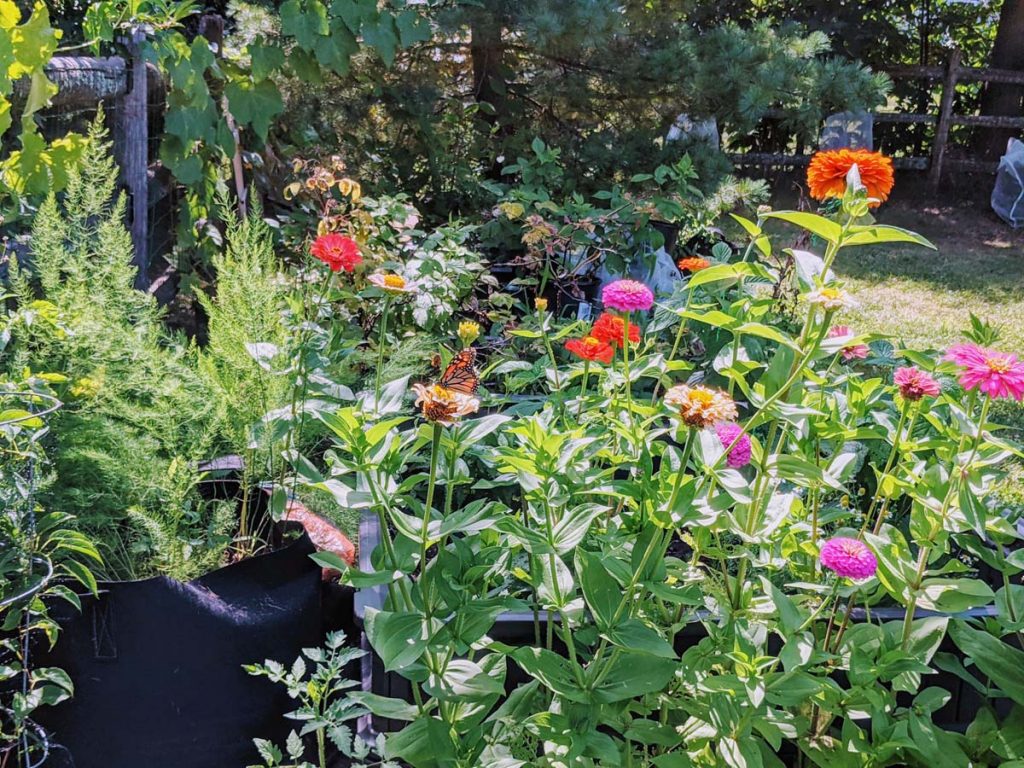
<point x="701" y="406"/>
<point x="627" y="296"/>
<point x="442" y="405"/>
<point x="849" y="558"/>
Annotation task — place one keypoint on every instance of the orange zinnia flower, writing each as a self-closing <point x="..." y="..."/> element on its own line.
<point x="591" y="348"/>
<point x="826" y="175"/>
<point x="608" y="328"/>
<point x="692" y="264"/>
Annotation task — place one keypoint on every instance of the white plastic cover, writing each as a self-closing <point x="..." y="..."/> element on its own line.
<point x="1008" y="193"/>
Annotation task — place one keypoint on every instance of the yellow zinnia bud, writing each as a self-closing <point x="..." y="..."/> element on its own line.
<point x="542" y="305"/>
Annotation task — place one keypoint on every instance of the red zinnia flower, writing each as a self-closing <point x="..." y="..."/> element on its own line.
<point x="337" y="251"/>
<point x="608" y="328"/>
<point x="591" y="348"/>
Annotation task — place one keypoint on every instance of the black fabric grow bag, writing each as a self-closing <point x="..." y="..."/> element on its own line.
<point x="157" y="665"/>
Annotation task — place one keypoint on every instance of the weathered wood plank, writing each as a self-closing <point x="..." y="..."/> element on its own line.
<point x="945" y="120"/>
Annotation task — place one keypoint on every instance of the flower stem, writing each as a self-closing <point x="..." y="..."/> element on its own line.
<point x="583" y="389"/>
<point x="888" y="466"/>
<point x="381" y="339"/>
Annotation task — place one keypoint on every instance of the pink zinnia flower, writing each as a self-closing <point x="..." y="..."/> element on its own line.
<point x="627" y="296"/>
<point x="849" y="558"/>
<point x="996" y="374"/>
<point x="914" y="383"/>
<point x="739" y="456"/>
<point x="853" y="351"/>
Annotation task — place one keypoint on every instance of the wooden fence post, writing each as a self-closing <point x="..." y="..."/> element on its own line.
<point x="945" y="121"/>
<point x="132" y="131"/>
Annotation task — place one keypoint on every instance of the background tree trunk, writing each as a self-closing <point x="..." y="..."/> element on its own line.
<point x="1004" y="98"/>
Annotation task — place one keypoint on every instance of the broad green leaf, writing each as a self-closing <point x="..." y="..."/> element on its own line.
<point x="398" y="638"/>
<point x="812" y="222"/>
<point x="552" y="670"/>
<point x="876" y="234"/>
<point x="1003" y="663"/>
<point x="633" y="634"/>
<point x="633" y="675"/>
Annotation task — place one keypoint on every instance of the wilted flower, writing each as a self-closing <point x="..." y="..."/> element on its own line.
<point x="826" y="175"/>
<point x="610" y="327"/>
<point x="997" y="374"/>
<point x="627" y="296"/>
<point x="337" y="251"/>
<point x="727" y="433"/>
<point x="591" y="348"/>
<point x="849" y="558"/>
<point x="392" y="283"/>
<point x="442" y="405"/>
<point x="692" y="264"/>
<point x="468" y="332"/>
<point x="701" y="406"/>
<point x="914" y="383"/>
<point x="853" y="351"/>
<point x="831" y="298"/>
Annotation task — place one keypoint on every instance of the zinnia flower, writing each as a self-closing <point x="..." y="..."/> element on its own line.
<point x="591" y="348"/>
<point x="727" y="433"/>
<point x="831" y="298"/>
<point x="997" y="374"/>
<point x="541" y="305"/>
<point x="914" y="383"/>
<point x="392" y="283"/>
<point x="692" y="264"/>
<point x="701" y="406"/>
<point x="826" y="175"/>
<point x="337" y="251"/>
<point x="853" y="351"/>
<point x="849" y="558"/>
<point x="609" y="328"/>
<point x="442" y="405"/>
<point x="627" y="296"/>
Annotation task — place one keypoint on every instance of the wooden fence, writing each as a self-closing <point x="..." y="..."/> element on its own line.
<point x="950" y="75"/>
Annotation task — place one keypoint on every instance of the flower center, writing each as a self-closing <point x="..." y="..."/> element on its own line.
<point x="702" y="397"/>
<point x="830" y="293"/>
<point x="394" y="281"/>
<point x="998" y="363"/>
<point x="590" y="342"/>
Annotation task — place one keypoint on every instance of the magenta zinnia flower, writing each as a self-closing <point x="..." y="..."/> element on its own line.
<point x="739" y="456"/>
<point x="627" y="296"/>
<point x="849" y="558"/>
<point x="853" y="351"/>
<point x="996" y="374"/>
<point x="914" y="383"/>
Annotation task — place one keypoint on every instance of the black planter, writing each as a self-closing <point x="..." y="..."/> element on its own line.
<point x="157" y="665"/>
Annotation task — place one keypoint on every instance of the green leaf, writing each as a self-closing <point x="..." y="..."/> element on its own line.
<point x="254" y="103"/>
<point x="266" y="60"/>
<point x="812" y="222"/>
<point x="305" y="20"/>
<point x="382" y="706"/>
<point x="1003" y="663"/>
<point x="633" y="634"/>
<point x="602" y="593"/>
<point x="875" y="234"/>
<point x="727" y="272"/>
<point x="954" y="595"/>
<point x="633" y="674"/>
<point x="412" y="28"/>
<point x="380" y="34"/>
<point x="398" y="638"/>
<point x="552" y="670"/>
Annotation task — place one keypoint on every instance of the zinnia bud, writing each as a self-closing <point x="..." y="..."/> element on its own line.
<point x="468" y="332"/>
<point x="541" y="304"/>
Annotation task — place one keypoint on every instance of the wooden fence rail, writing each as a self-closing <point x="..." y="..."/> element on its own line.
<point x="950" y="75"/>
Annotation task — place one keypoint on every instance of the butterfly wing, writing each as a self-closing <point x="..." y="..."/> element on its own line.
<point x="461" y="374"/>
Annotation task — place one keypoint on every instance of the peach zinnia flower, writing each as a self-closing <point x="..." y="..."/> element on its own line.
<point x="609" y="328"/>
<point x="831" y="298"/>
<point x="826" y="175"/>
<point x="442" y="405"/>
<point x="591" y="348"/>
<point x="997" y="374"/>
<point x="701" y="406"/>
<point x="692" y="264"/>
<point x="392" y="283"/>
<point x="337" y="251"/>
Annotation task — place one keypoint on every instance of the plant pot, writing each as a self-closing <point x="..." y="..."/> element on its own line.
<point x="157" y="664"/>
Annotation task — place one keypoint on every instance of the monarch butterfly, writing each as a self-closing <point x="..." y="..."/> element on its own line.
<point x="461" y="375"/>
